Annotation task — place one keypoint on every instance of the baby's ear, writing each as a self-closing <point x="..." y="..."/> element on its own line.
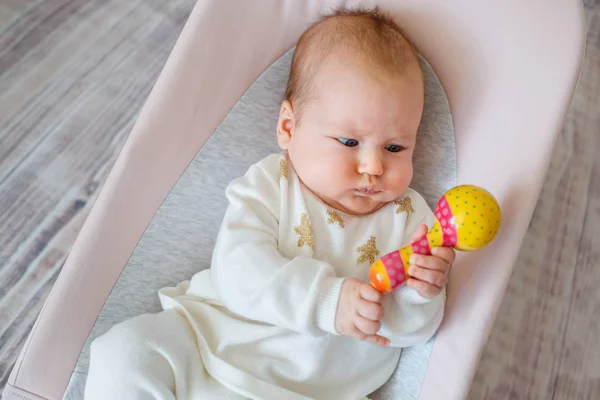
<point x="285" y="125"/>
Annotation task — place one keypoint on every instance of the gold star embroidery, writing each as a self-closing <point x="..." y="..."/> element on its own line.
<point x="306" y="232"/>
<point x="283" y="168"/>
<point x="368" y="252"/>
<point x="404" y="204"/>
<point x="334" y="217"/>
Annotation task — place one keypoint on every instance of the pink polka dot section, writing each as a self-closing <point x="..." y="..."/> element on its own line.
<point x="443" y="213"/>
<point x="421" y="246"/>
<point x="395" y="268"/>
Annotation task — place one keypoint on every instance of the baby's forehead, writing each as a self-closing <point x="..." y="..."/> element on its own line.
<point x="339" y="63"/>
<point x="368" y="40"/>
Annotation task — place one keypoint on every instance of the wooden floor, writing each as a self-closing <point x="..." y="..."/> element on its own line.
<point x="74" y="74"/>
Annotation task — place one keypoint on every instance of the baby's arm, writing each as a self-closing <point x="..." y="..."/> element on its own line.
<point x="410" y="317"/>
<point x="251" y="276"/>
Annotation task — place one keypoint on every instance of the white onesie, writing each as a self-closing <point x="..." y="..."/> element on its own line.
<point x="263" y="315"/>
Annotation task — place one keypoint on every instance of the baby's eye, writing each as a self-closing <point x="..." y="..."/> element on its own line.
<point x="394" y="148"/>
<point x="348" y="142"/>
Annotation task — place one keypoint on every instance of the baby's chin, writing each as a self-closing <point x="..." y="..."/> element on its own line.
<point x="362" y="205"/>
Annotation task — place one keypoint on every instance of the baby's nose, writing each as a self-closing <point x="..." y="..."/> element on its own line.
<point x="371" y="164"/>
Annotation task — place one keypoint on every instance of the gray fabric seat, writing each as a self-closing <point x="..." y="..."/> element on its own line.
<point x="179" y="240"/>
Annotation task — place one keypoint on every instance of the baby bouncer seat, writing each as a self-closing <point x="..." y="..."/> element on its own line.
<point x="508" y="70"/>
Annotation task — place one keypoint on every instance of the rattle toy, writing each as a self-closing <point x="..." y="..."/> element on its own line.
<point x="467" y="218"/>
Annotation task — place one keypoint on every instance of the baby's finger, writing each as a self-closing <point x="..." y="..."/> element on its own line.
<point x="421" y="230"/>
<point x="366" y="326"/>
<point x="378" y="340"/>
<point x="369" y="310"/>
<point x="445" y="253"/>
<point x="431" y="276"/>
<point x="429" y="262"/>
<point x="425" y="289"/>
<point x="369" y="293"/>
<point x="375" y="339"/>
<point x="357" y="334"/>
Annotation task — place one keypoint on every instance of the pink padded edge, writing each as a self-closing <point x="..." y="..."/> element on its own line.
<point x="509" y="69"/>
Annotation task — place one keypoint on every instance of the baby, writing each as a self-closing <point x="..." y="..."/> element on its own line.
<point x="286" y="310"/>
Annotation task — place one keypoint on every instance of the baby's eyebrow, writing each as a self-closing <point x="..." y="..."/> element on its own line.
<point x="350" y="130"/>
<point x="404" y="135"/>
<point x="347" y="129"/>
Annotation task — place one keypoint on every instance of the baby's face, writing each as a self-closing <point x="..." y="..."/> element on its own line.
<point x="354" y="142"/>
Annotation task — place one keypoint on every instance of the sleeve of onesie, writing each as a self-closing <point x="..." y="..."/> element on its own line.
<point x="410" y="318"/>
<point x="252" y="278"/>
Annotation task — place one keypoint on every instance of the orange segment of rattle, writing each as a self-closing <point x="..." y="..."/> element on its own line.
<point x="379" y="277"/>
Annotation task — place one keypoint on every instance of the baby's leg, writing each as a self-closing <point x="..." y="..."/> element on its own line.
<point x="153" y="356"/>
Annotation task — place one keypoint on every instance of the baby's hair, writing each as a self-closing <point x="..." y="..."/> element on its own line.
<point x="365" y="36"/>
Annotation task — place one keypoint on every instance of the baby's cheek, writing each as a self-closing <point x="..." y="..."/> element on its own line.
<point x="400" y="176"/>
<point x="330" y="177"/>
<point x="341" y="168"/>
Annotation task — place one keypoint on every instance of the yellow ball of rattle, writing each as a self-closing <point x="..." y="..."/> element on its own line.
<point x="472" y="212"/>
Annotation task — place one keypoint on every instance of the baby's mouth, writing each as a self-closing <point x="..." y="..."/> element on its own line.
<point x="370" y="191"/>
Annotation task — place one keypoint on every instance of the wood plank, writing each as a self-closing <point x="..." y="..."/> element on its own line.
<point x="12" y="10"/>
<point x="75" y="54"/>
<point x="17" y="38"/>
<point x="542" y="329"/>
<point x="578" y="372"/>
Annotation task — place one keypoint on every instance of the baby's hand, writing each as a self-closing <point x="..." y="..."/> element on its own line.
<point x="359" y="312"/>
<point x="428" y="273"/>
